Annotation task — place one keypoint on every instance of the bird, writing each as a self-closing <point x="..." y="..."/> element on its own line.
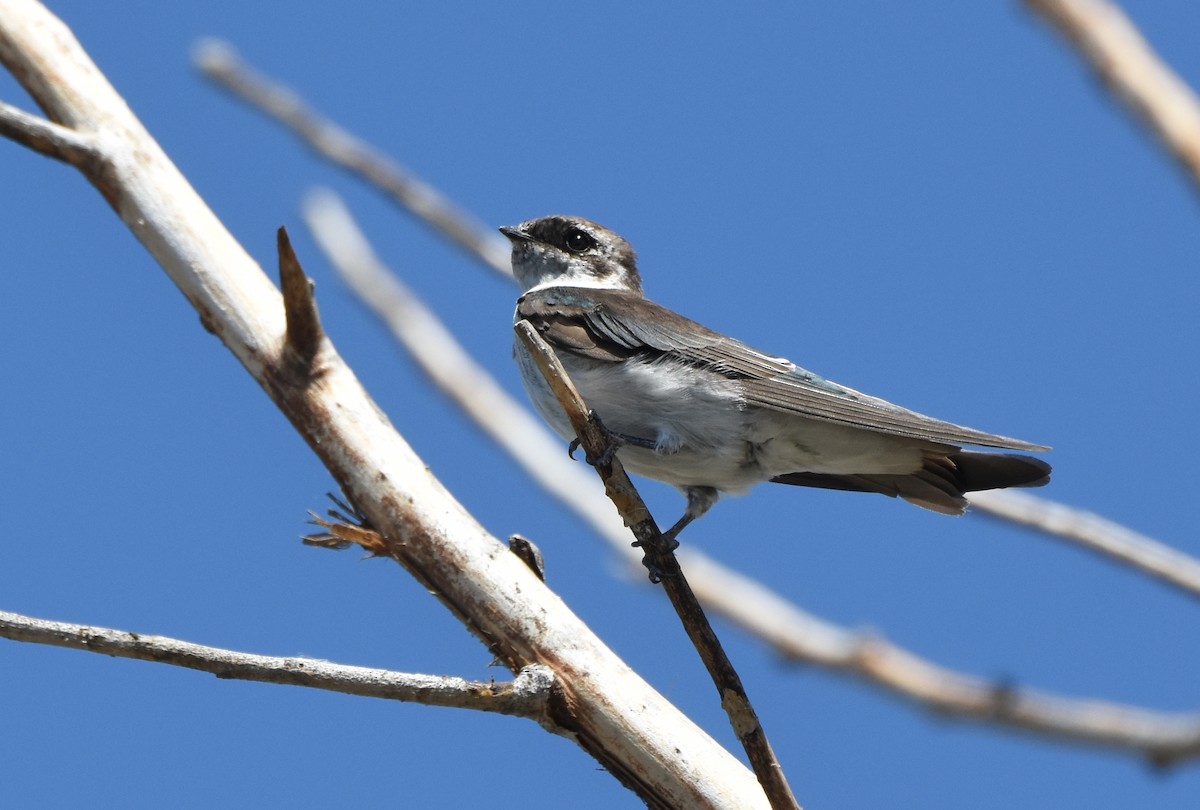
<point x="709" y="414"/>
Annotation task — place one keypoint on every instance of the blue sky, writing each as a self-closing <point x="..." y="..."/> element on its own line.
<point x="931" y="202"/>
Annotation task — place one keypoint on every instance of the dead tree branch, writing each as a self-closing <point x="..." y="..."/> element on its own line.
<point x="219" y="62"/>
<point x="1129" y="67"/>
<point x="528" y="696"/>
<point x="1094" y="533"/>
<point x="660" y="559"/>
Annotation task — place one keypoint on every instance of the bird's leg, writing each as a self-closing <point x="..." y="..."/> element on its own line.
<point x="699" y="501"/>
<point x="615" y="441"/>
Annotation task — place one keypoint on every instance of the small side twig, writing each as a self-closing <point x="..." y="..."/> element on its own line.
<point x="304" y="332"/>
<point x="526" y="696"/>
<point x="45" y="137"/>
<point x="661" y="558"/>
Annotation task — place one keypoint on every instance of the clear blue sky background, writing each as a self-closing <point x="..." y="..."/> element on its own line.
<point x="929" y="201"/>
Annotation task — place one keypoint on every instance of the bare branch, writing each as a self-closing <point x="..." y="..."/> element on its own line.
<point x="1094" y="533"/>
<point x="45" y="137"/>
<point x="527" y="696"/>
<point x="1163" y="738"/>
<point x="1127" y="64"/>
<point x="612" y="713"/>
<point x="794" y="633"/>
<point x="220" y="62"/>
<point x="661" y="560"/>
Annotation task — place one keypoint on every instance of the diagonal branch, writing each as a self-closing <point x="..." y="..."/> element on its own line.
<point x="219" y="62"/>
<point x="1126" y="63"/>
<point x="527" y="696"/>
<point x="661" y="559"/>
<point x="1094" y="533"/>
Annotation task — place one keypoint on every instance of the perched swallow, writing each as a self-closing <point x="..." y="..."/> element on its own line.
<point x="709" y="414"/>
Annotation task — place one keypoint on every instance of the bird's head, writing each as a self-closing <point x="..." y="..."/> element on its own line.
<point x="561" y="251"/>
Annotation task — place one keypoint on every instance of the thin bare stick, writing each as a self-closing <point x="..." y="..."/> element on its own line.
<point x="794" y="633"/>
<point x="1126" y="63"/>
<point x="304" y="332"/>
<point x="220" y="62"/>
<point x="661" y="559"/>
<point x="1094" y="533"/>
<point x="527" y="696"/>
<point x="45" y="137"/>
<point x="653" y="748"/>
<point x="1162" y="738"/>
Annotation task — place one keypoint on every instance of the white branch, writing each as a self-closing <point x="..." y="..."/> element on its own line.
<point x="220" y="62"/>
<point x="1095" y="533"/>
<point x="612" y="713"/>
<point x="44" y="136"/>
<point x="527" y="696"/>
<point x="1126" y="63"/>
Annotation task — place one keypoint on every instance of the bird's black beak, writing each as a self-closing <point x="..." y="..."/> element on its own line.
<point x="515" y="234"/>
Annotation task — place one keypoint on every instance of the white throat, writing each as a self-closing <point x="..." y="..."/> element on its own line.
<point x="587" y="281"/>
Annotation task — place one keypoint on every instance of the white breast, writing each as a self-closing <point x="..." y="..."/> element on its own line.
<point x="705" y="434"/>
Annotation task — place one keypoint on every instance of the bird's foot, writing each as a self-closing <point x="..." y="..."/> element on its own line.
<point x="658" y="555"/>
<point x="615" y="442"/>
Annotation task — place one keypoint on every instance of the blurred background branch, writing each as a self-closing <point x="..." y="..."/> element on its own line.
<point x="1111" y="44"/>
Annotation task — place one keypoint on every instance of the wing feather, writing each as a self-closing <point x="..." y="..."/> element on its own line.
<point x="612" y="325"/>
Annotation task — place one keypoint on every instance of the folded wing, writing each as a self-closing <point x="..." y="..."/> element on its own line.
<point x="611" y="325"/>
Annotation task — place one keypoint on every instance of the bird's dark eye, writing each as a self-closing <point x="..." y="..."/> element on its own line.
<point x="579" y="241"/>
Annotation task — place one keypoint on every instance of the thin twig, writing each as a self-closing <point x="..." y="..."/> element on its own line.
<point x="45" y="137"/>
<point x="220" y="62"/>
<point x="1162" y="738"/>
<point x="304" y="332"/>
<point x="527" y="696"/>
<point x="1126" y="63"/>
<point x="661" y="558"/>
<point x="1094" y="533"/>
<point x="794" y="633"/>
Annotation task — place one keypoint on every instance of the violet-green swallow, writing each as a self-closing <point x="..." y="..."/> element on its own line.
<point x="709" y="414"/>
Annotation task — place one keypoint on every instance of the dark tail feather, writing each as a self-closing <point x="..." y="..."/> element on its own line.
<point x="940" y="484"/>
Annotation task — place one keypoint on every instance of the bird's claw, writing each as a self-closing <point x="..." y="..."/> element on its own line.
<point x="604" y="458"/>
<point x="670" y="544"/>
<point x="615" y="440"/>
<point x="657" y="572"/>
